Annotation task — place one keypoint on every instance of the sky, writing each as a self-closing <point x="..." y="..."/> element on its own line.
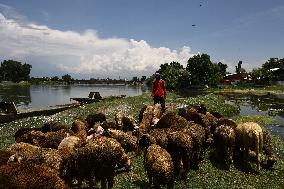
<point x="127" y="38"/>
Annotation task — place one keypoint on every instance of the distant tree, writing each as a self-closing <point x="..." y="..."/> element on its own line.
<point x="55" y="78"/>
<point x="15" y="71"/>
<point x="202" y="71"/>
<point x="273" y="63"/>
<point x="67" y="78"/>
<point x="262" y="76"/>
<point x="171" y="72"/>
<point x="143" y="78"/>
<point x="135" y="79"/>
<point x="222" y="68"/>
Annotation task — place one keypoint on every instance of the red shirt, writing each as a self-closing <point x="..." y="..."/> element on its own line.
<point x="158" y="88"/>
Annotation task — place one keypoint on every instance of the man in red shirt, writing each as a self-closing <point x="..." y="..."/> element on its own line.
<point x="159" y="91"/>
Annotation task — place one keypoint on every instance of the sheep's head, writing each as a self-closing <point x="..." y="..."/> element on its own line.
<point x="271" y="160"/>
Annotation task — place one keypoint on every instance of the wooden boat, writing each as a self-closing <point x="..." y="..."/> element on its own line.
<point x="12" y="116"/>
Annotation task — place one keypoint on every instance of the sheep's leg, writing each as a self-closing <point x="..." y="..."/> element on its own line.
<point x="103" y="183"/>
<point x="149" y="177"/>
<point x="92" y="182"/>
<point x="156" y="183"/>
<point x="110" y="181"/>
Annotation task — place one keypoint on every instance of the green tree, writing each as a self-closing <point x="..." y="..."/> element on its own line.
<point x="203" y="72"/>
<point x="67" y="78"/>
<point x="15" y="71"/>
<point x="262" y="76"/>
<point x="170" y="73"/>
<point x="55" y="78"/>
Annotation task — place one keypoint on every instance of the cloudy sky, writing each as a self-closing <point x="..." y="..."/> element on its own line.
<point x="126" y="38"/>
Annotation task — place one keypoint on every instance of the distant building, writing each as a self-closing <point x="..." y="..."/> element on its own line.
<point x="239" y="75"/>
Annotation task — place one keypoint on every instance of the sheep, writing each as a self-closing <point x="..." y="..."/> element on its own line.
<point x="224" y="142"/>
<point x="180" y="147"/>
<point x="128" y="142"/>
<point x="140" y="116"/>
<point x="68" y="145"/>
<point x="45" y="140"/>
<point x="20" y="132"/>
<point x="197" y="134"/>
<point x="108" y="125"/>
<point x="118" y="119"/>
<point x="27" y="175"/>
<point x="146" y="121"/>
<point x="79" y="127"/>
<point x="160" y="136"/>
<point x="91" y="119"/>
<point x="96" y="161"/>
<point x="23" y="152"/>
<point x="271" y="158"/>
<point x="173" y="121"/>
<point x="157" y="113"/>
<point x="249" y="136"/>
<point x="128" y="123"/>
<point x="53" y="126"/>
<point x="159" y="166"/>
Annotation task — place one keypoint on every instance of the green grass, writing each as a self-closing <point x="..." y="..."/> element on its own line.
<point x="210" y="175"/>
<point x="260" y="119"/>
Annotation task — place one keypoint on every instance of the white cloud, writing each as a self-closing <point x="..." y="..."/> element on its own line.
<point x="82" y="53"/>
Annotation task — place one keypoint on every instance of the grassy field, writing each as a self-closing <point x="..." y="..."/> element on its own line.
<point x="210" y="175"/>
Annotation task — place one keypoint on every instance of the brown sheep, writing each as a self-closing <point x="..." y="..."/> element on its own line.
<point x="197" y="134"/>
<point x="128" y="142"/>
<point x="140" y="116"/>
<point x="180" y="147"/>
<point x="157" y="113"/>
<point x="20" y="132"/>
<point x="159" y="166"/>
<point x="173" y="121"/>
<point x="146" y="121"/>
<point x="4" y="156"/>
<point x="45" y="140"/>
<point x="118" y="119"/>
<point x="224" y="142"/>
<point x="128" y="123"/>
<point x="96" y="161"/>
<point x="68" y="145"/>
<point x="53" y="126"/>
<point x="26" y="175"/>
<point x="268" y="150"/>
<point x="91" y="119"/>
<point x="23" y="152"/>
<point x="79" y="127"/>
<point x="249" y="136"/>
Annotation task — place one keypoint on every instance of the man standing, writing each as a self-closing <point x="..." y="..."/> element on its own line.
<point x="159" y="91"/>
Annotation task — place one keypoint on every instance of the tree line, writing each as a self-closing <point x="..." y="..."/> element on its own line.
<point x="200" y="71"/>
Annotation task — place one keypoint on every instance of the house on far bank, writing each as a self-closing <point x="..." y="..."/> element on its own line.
<point x="238" y="76"/>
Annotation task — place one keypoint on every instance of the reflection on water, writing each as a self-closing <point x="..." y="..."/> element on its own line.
<point x="272" y="105"/>
<point x="40" y="96"/>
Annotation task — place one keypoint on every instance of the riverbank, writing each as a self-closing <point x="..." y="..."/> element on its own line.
<point x="208" y="176"/>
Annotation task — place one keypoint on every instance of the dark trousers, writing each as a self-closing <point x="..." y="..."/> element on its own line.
<point x="160" y="100"/>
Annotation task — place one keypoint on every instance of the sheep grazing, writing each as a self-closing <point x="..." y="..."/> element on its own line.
<point x="23" y="152"/>
<point x="190" y="114"/>
<point x="180" y="147"/>
<point x="96" y="161"/>
<point x="108" y="125"/>
<point x="68" y="145"/>
<point x="157" y="113"/>
<point x="249" y="136"/>
<point x="146" y="121"/>
<point x="27" y="175"/>
<point x="20" y="132"/>
<point x="128" y="142"/>
<point x="128" y="123"/>
<point x="271" y="158"/>
<point x="224" y="142"/>
<point x="159" y="166"/>
<point x="173" y="121"/>
<point x="140" y="116"/>
<point x="79" y="127"/>
<point x="160" y="136"/>
<point x="118" y="119"/>
<point x="91" y="119"/>
<point x="53" y="126"/>
<point x="197" y="134"/>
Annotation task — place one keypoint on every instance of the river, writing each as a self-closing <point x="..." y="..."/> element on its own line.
<point x="41" y="96"/>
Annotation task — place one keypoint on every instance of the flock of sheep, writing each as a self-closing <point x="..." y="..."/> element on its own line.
<point x="94" y="149"/>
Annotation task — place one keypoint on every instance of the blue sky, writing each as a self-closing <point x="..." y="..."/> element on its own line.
<point x="111" y="38"/>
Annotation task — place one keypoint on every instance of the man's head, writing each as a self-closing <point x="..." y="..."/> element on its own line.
<point x="157" y="75"/>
